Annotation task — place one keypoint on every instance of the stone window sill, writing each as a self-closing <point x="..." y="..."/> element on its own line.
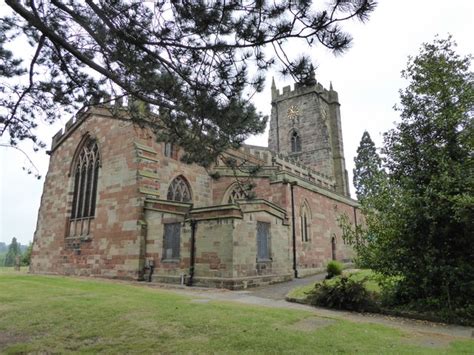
<point x="82" y="238"/>
<point x="169" y="261"/>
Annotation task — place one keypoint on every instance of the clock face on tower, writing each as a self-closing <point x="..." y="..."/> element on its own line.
<point x="293" y="112"/>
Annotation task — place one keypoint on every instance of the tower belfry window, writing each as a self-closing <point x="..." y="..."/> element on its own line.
<point x="295" y="142"/>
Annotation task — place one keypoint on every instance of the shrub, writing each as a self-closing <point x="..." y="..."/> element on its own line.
<point x="334" y="268"/>
<point x="343" y="293"/>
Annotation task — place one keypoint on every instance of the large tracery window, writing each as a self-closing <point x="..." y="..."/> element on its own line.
<point x="295" y="142"/>
<point x="86" y="175"/>
<point x="179" y="190"/>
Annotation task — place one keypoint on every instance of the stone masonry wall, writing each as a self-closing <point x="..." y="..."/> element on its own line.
<point x="167" y="271"/>
<point x="315" y="116"/>
<point x="156" y="172"/>
<point x="314" y="254"/>
<point x="112" y="248"/>
<point x="245" y="247"/>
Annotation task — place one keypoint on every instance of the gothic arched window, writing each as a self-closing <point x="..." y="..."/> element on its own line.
<point x="86" y="174"/>
<point x="236" y="194"/>
<point x="305" y="217"/>
<point x="179" y="190"/>
<point x="295" y="142"/>
<point x="304" y="228"/>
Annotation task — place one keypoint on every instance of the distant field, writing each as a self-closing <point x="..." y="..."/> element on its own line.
<point x="11" y="269"/>
<point x="62" y="315"/>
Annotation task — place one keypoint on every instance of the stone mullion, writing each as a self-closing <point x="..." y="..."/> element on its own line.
<point x="82" y="193"/>
<point x="77" y="177"/>
<point x="91" y="182"/>
<point x="94" y="186"/>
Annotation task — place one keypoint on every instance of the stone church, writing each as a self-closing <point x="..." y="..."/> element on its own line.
<point x="117" y="203"/>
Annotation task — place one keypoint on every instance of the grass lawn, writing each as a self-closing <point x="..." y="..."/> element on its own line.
<point x="44" y="314"/>
<point x="11" y="269"/>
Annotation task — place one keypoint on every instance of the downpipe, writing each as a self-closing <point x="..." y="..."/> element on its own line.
<point x="293" y="224"/>
<point x="192" y="256"/>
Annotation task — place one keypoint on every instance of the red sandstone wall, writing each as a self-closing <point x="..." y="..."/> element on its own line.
<point x="275" y="193"/>
<point x="324" y="212"/>
<point x="167" y="168"/>
<point x="113" y="248"/>
<point x="312" y="256"/>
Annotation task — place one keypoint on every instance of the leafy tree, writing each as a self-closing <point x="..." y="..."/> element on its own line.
<point x="186" y="61"/>
<point x="368" y="168"/>
<point x="420" y="228"/>
<point x="26" y="259"/>
<point x="13" y="252"/>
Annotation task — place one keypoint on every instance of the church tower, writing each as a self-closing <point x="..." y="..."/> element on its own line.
<point x="305" y="125"/>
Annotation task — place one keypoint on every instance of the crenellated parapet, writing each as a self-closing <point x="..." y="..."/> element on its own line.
<point x="103" y="106"/>
<point x="330" y="96"/>
<point x="284" y="163"/>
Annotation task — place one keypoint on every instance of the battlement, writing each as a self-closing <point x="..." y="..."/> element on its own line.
<point x="103" y="106"/>
<point x="290" y="165"/>
<point x="330" y="96"/>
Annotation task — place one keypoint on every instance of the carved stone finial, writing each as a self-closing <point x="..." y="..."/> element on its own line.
<point x="330" y="86"/>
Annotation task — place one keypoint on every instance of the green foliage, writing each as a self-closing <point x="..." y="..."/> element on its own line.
<point x="13" y="251"/>
<point x="26" y="259"/>
<point x="368" y="169"/>
<point x="418" y="227"/>
<point x="188" y="62"/>
<point x="343" y="293"/>
<point x="334" y="268"/>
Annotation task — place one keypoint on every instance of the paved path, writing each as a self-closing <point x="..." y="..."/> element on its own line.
<point x="274" y="296"/>
<point x="280" y="290"/>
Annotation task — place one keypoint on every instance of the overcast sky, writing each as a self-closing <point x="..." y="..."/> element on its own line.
<point x="367" y="79"/>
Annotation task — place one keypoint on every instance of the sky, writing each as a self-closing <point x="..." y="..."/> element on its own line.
<point x="367" y="78"/>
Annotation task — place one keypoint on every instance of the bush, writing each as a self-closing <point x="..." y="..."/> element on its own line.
<point x="334" y="268"/>
<point x="343" y="293"/>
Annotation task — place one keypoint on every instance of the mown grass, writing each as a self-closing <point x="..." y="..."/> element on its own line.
<point x="44" y="314"/>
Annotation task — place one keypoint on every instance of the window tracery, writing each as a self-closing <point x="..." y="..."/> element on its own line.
<point x="86" y="174"/>
<point x="236" y="194"/>
<point x="179" y="190"/>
